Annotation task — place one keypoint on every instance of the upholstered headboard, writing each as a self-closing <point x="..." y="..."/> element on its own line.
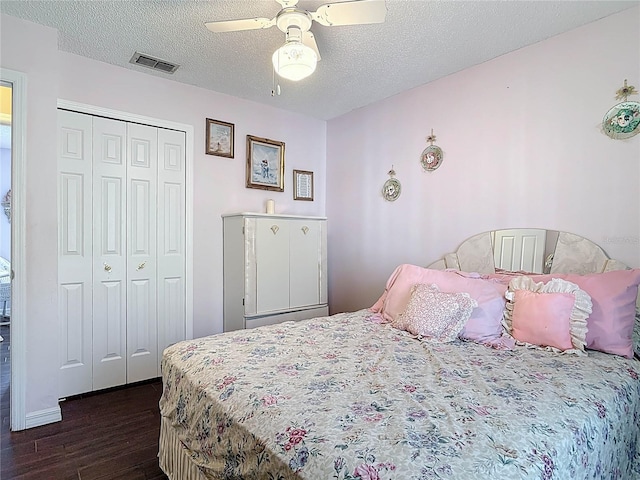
<point x="569" y="254"/>
<point x="531" y="250"/>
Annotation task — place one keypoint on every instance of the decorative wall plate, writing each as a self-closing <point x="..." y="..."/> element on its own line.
<point x="622" y="120"/>
<point x="391" y="190"/>
<point x="431" y="158"/>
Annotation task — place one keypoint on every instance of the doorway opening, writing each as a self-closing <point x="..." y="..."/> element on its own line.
<point x="12" y="247"/>
<point x="5" y="250"/>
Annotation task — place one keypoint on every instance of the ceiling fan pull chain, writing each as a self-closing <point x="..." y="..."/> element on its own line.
<point x="275" y="90"/>
<point x="273" y="82"/>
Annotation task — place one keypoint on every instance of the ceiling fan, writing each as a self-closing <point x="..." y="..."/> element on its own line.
<point x="297" y="58"/>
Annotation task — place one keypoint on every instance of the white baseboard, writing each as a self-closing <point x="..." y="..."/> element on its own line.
<point x="43" y="417"/>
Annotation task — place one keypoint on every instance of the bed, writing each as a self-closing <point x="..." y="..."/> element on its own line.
<point x="351" y="396"/>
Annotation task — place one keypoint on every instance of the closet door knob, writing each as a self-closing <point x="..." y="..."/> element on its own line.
<point x="305" y="229"/>
<point x="275" y="229"/>
<point x="107" y="267"/>
<point x="141" y="266"/>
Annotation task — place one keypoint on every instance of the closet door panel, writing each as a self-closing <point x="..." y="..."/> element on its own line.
<point x="172" y="306"/>
<point x="141" y="334"/>
<point x="109" y="253"/>
<point x="142" y="172"/>
<point x="109" y="335"/>
<point x="171" y="239"/>
<point x="74" y="252"/>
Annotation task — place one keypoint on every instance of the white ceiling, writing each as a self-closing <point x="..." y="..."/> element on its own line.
<point x="420" y="41"/>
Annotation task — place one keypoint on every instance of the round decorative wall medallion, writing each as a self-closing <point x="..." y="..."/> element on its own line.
<point x="431" y="158"/>
<point x="622" y="120"/>
<point x="391" y="190"/>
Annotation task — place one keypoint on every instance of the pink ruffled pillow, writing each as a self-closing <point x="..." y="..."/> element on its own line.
<point x="552" y="315"/>
<point x="543" y="319"/>
<point x="613" y="294"/>
<point x="485" y="323"/>
<point x="434" y="315"/>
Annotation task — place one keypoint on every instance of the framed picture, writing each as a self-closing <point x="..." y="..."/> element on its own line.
<point x="302" y="185"/>
<point x="219" y="138"/>
<point x="265" y="164"/>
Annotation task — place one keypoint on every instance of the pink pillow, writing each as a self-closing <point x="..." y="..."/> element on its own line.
<point x="485" y="324"/>
<point x="543" y="318"/>
<point x="550" y="315"/>
<point x="434" y="315"/>
<point x="636" y="336"/>
<point x="613" y="295"/>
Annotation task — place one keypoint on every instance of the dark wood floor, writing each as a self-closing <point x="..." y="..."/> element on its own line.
<point x="111" y="435"/>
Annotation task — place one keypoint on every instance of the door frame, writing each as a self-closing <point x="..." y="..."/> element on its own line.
<point x="18" y="241"/>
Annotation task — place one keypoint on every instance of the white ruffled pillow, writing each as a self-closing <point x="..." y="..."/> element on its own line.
<point x="551" y="316"/>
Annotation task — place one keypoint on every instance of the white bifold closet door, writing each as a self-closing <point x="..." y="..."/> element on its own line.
<point x="75" y="252"/>
<point x="109" y="320"/>
<point x="171" y="228"/>
<point x="122" y="201"/>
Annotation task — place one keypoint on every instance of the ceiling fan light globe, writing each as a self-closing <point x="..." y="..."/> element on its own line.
<point x="294" y="61"/>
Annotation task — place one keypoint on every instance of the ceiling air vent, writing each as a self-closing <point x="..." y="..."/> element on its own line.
<point x="151" y="62"/>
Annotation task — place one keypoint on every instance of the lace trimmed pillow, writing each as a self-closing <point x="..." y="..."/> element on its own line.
<point x="435" y="316"/>
<point x="551" y="316"/>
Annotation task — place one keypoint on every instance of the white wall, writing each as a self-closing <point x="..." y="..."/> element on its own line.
<point x="523" y="148"/>
<point x="219" y="182"/>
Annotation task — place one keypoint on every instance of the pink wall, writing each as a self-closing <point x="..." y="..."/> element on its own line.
<point x="219" y="183"/>
<point x="32" y="49"/>
<point x="523" y="148"/>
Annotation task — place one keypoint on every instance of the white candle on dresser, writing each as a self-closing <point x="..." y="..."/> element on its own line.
<point x="271" y="206"/>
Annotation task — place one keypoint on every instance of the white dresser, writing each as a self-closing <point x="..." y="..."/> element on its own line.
<point x="275" y="269"/>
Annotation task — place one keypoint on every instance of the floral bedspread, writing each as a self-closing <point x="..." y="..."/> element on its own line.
<point x="348" y="397"/>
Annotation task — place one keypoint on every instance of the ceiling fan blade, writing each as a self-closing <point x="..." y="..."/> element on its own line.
<point x="243" y="24"/>
<point x="309" y="40"/>
<point x="355" y="12"/>
<point x="287" y="3"/>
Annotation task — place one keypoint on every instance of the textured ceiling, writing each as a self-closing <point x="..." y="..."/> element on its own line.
<point x="419" y="42"/>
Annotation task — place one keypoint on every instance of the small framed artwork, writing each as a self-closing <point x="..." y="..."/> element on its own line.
<point x="302" y="185"/>
<point x="219" y="138"/>
<point x="265" y="164"/>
